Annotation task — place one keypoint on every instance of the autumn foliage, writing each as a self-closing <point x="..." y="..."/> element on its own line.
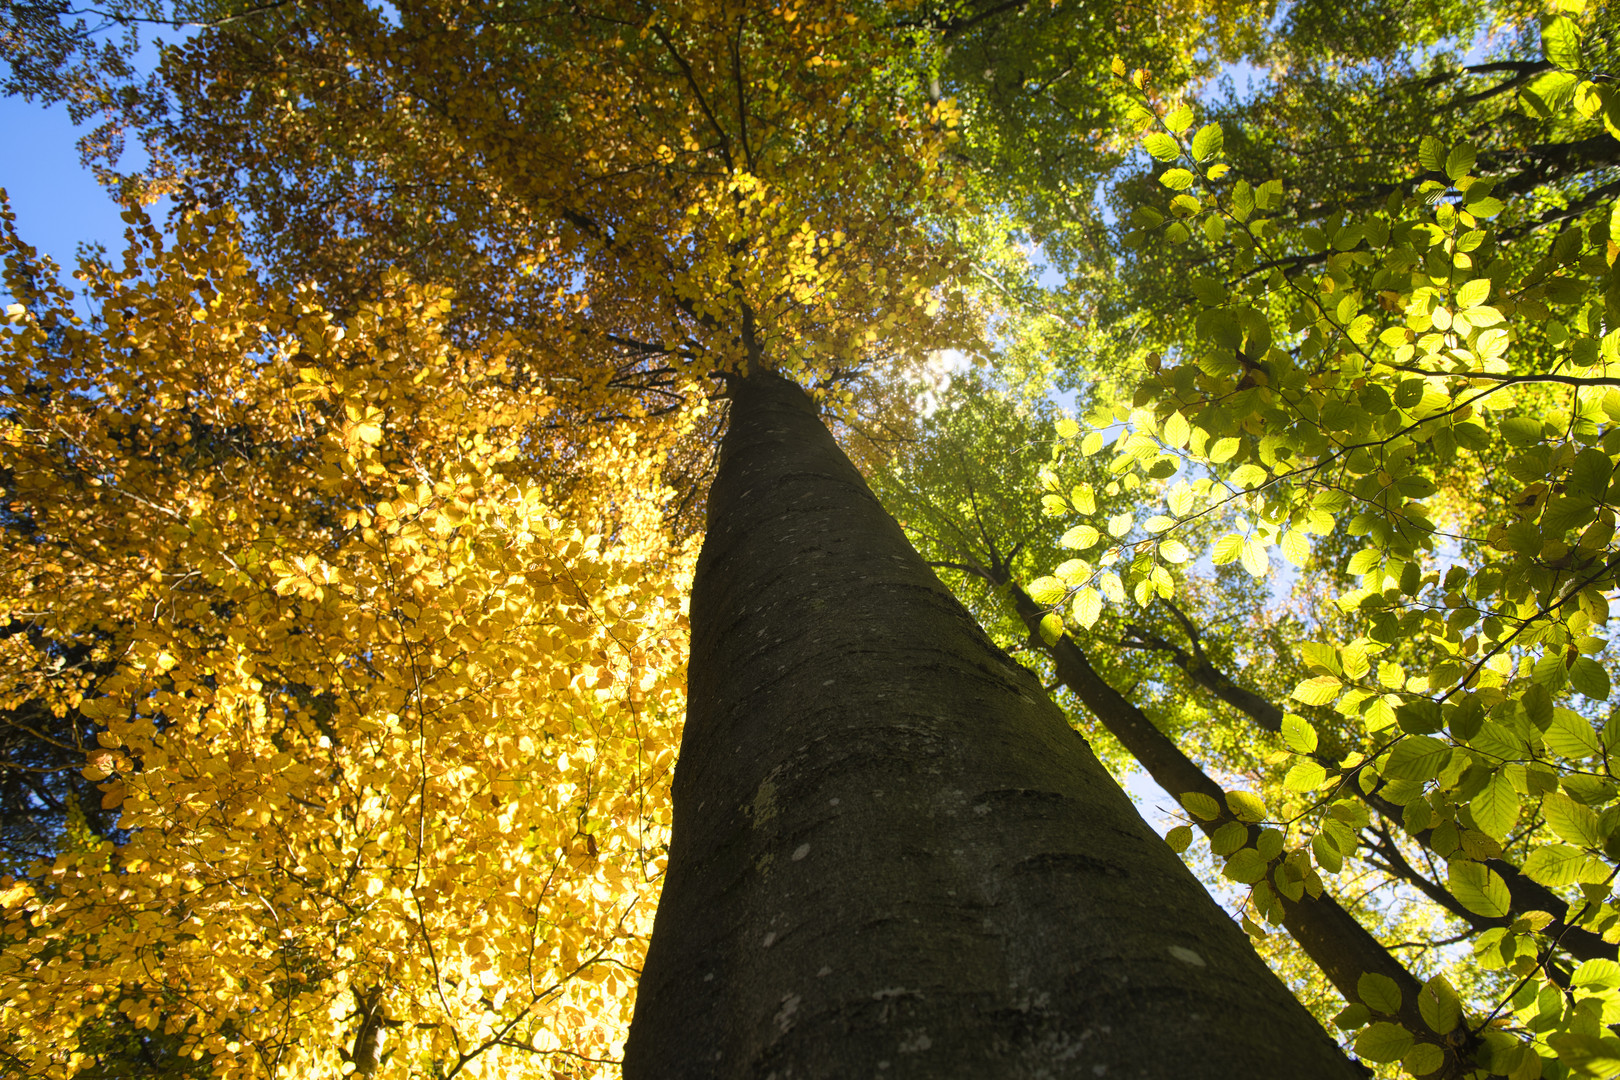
<point x="344" y="546"/>
<point x="384" y="675"/>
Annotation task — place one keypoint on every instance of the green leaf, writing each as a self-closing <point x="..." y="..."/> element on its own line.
<point x="1596" y="973"/>
<point x="1296" y="547"/>
<point x="1460" y="162"/>
<point x="1087" y="607"/>
<point x="1379" y="993"/>
<point x="1181" y="498"/>
<point x="1496" y="807"/>
<point x="1571" y="821"/>
<point x="1497" y="741"/>
<point x="1589" y="677"/>
<point x="1587" y="1055"/>
<point x="1201" y="806"/>
<point x="1207" y="143"/>
<point x="1571" y="735"/>
<point x="1305" y="777"/>
<point x="1590" y="790"/>
<point x="1365" y="560"/>
<point x="1161" y="146"/>
<point x="1318" y="691"/>
<point x="1080" y="537"/>
<point x="1176" y="430"/>
<point x="1432" y="153"/>
<point x="1175" y="552"/>
<point x="1120" y="524"/>
<point x="1474" y="293"/>
<point x="1379" y="713"/>
<point x="1051" y="627"/>
<point x="1067" y="428"/>
<point x="1328" y="856"/>
<point x="1352" y="1016"/>
<point x="1111" y="586"/>
<point x="1479" y="889"/>
<point x="1229" y="838"/>
<point x="1047" y="591"/>
<point x="1360" y="329"/>
<point x="1177" y="179"/>
<point x="1073" y="571"/>
<point x="1298" y="733"/>
<point x="1254" y="556"/>
<point x="1487" y="207"/>
<point x="1183" y="205"/>
<point x="1554" y="865"/>
<point x="1179" y="838"/>
<point x="1439" y="1005"/>
<point x="1223" y="450"/>
<point x="1246" y="866"/>
<point x="1092" y="443"/>
<point x="1423" y="1059"/>
<point x="1226" y="549"/>
<point x="1357" y="659"/>
<point x="1242" y="200"/>
<point x="1248" y="475"/>
<point x="1561" y="41"/>
<point x="1383" y="1042"/>
<point x="1419" y="717"/>
<point x="1417" y="758"/>
<point x="1245" y="806"/>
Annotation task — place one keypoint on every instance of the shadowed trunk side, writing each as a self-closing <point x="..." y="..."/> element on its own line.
<point x="1334" y="939"/>
<point x="891" y="853"/>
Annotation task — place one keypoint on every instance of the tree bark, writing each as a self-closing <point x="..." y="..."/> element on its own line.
<point x="1334" y="939"/>
<point x="891" y="855"/>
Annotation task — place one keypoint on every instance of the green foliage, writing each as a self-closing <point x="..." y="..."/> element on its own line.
<point x="1401" y="378"/>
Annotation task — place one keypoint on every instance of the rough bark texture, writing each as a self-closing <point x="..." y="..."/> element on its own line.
<point x="1334" y="939"/>
<point x="892" y="857"/>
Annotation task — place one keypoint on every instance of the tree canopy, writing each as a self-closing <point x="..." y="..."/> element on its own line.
<point x="349" y="516"/>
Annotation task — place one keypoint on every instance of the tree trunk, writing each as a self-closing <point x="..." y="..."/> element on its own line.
<point x="891" y="855"/>
<point x="1334" y="939"/>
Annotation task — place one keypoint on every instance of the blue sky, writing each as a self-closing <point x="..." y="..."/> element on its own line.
<point x="57" y="202"/>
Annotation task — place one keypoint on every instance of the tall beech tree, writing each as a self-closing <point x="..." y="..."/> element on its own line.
<point x="628" y="198"/>
<point x="363" y="601"/>
<point x="889" y="849"/>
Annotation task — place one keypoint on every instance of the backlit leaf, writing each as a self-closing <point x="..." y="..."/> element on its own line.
<point x="1478" y="888"/>
<point x="1383" y="1042"/>
<point x="1439" y="1006"/>
<point x="1379" y="993"/>
<point x="1318" y="690"/>
<point x="1207" y="142"/>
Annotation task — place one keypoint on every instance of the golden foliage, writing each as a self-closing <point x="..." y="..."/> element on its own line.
<point x="652" y="184"/>
<point x="387" y="677"/>
<point x="375" y="602"/>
